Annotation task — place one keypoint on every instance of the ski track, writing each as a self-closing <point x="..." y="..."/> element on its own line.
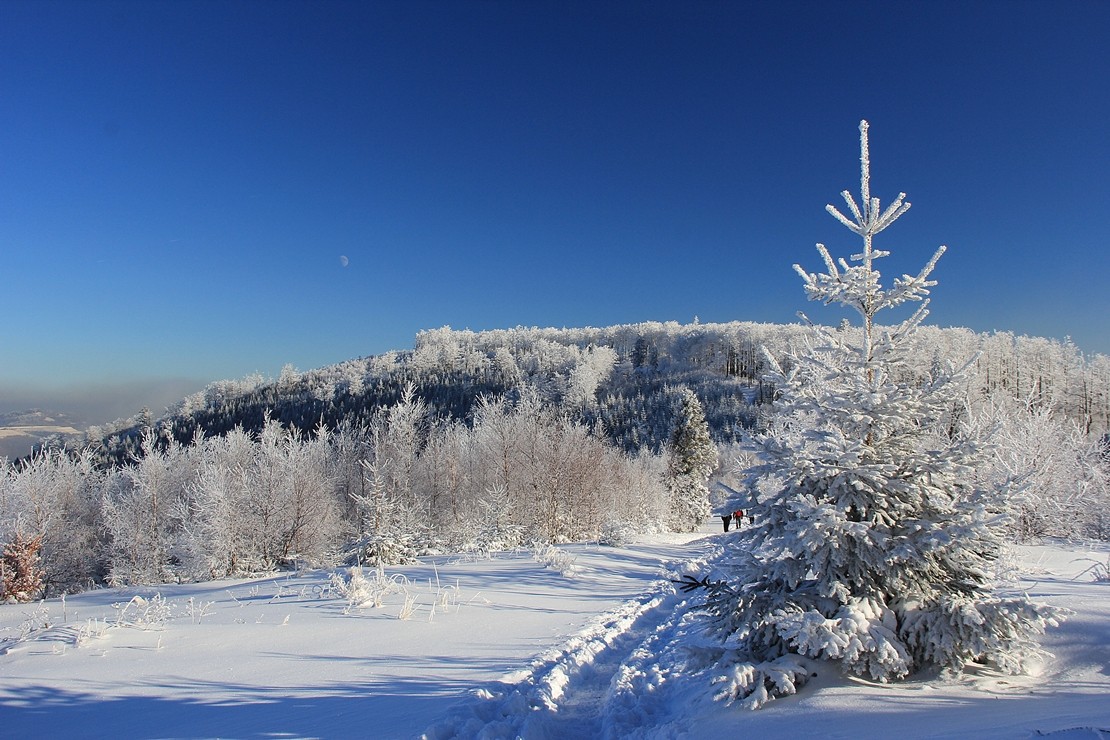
<point x="601" y="683"/>
<point x="567" y="692"/>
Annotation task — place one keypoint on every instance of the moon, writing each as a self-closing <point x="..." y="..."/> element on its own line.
<point x="343" y="261"/>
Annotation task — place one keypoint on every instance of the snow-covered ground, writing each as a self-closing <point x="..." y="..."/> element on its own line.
<point x="501" y="647"/>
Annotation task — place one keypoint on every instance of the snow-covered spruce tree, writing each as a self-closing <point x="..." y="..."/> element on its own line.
<point x="693" y="457"/>
<point x="872" y="549"/>
<point x="393" y="520"/>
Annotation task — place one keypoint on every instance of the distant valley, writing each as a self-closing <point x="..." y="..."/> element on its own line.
<point x="20" y="431"/>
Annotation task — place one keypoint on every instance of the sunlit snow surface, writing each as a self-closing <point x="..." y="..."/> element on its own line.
<point x="498" y="647"/>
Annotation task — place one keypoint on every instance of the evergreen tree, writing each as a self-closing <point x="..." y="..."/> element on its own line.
<point x="693" y="457"/>
<point x="874" y="548"/>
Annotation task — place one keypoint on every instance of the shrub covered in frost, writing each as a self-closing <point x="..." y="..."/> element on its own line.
<point x="616" y="533"/>
<point x="554" y="558"/>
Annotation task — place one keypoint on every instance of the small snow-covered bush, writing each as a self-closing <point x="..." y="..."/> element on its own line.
<point x="37" y="620"/>
<point x="552" y="557"/>
<point x="198" y="610"/>
<point x="492" y="529"/>
<point x="1099" y="570"/>
<point x="408" y="607"/>
<point x="144" y="614"/>
<point x="92" y="629"/>
<point x="360" y="591"/>
<point x="616" y="533"/>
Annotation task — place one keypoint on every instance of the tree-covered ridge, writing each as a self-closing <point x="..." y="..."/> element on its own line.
<point x="626" y="378"/>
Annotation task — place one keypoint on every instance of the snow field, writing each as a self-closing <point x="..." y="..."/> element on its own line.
<point x="519" y="651"/>
<point x="290" y="655"/>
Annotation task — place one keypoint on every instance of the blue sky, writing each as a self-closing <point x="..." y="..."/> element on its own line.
<point x="179" y="180"/>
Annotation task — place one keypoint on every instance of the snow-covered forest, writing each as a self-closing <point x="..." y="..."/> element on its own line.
<point x="628" y="377"/>
<point x="490" y="439"/>
<point x="244" y="503"/>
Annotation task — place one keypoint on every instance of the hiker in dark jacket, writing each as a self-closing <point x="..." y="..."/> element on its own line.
<point x="727" y="519"/>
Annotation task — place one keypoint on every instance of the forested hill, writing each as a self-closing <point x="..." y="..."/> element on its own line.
<point x="625" y="378"/>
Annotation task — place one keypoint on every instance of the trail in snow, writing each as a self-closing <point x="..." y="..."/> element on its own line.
<point x="601" y="683"/>
<point x="575" y="689"/>
<point x="566" y="692"/>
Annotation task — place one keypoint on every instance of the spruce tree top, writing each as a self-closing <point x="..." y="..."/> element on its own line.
<point x="857" y="285"/>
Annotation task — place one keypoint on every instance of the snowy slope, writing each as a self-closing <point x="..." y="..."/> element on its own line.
<point x="502" y="647"/>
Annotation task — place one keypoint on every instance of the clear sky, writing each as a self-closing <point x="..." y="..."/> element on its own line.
<point x="193" y="191"/>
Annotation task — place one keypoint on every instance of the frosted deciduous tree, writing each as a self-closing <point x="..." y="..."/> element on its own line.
<point x="350" y="446"/>
<point x="593" y="367"/>
<point x="53" y="498"/>
<point x="874" y="548"/>
<point x="693" y="457"/>
<point x="566" y="473"/>
<point x="528" y="471"/>
<point x="253" y="504"/>
<point x="291" y="504"/>
<point x="444" y="474"/>
<point x="139" y="512"/>
<point x="543" y="462"/>
<point x="403" y="437"/>
<point x="217" y="530"/>
<point x="501" y="447"/>
<point x="1059" y="474"/>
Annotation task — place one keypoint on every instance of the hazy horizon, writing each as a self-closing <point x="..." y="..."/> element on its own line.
<point x="101" y="402"/>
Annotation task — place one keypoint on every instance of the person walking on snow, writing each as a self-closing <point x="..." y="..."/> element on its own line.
<point x="727" y="520"/>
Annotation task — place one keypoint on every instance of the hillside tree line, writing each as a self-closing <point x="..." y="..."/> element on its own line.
<point x="492" y="439"/>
